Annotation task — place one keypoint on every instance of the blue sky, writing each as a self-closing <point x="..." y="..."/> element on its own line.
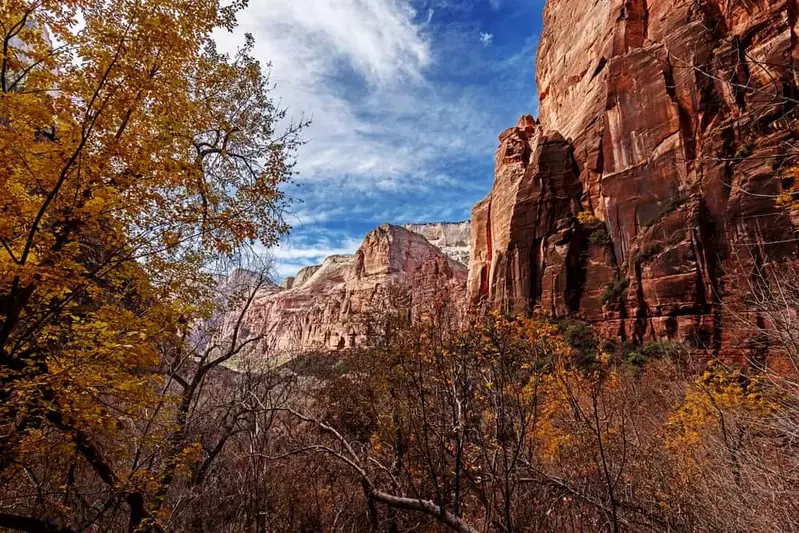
<point x="407" y="98"/>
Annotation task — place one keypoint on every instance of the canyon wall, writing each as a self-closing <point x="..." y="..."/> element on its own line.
<point x="645" y="192"/>
<point x="326" y="307"/>
<point x="452" y="238"/>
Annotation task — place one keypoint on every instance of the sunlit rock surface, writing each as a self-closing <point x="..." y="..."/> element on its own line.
<point x="641" y="131"/>
<point x="452" y="238"/>
<point x="328" y="307"/>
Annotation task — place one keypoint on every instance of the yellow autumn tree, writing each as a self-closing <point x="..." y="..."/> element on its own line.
<point x="731" y="438"/>
<point x="134" y="155"/>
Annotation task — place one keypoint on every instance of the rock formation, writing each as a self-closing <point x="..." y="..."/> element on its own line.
<point x="325" y="306"/>
<point x="648" y="182"/>
<point x="305" y="274"/>
<point x="452" y="238"/>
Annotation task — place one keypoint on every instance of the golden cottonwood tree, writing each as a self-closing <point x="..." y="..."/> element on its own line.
<point x="132" y="154"/>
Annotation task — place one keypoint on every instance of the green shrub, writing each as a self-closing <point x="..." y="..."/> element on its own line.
<point x="597" y="232"/>
<point x="578" y="334"/>
<point x="635" y="358"/>
<point x="664" y="350"/>
<point x="582" y="337"/>
<point x="745" y="150"/>
<point x="319" y="365"/>
<point x="614" y="291"/>
<point x="599" y="236"/>
<point x="639" y="354"/>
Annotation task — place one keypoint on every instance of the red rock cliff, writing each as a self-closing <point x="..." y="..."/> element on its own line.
<point x="325" y="306"/>
<point x="648" y="182"/>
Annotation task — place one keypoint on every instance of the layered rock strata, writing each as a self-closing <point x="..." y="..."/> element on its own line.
<point x="326" y="307"/>
<point x="452" y="238"/>
<point x="647" y="186"/>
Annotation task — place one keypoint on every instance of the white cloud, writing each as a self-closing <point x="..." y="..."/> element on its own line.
<point x="486" y="38"/>
<point x="396" y="111"/>
<point x="295" y="254"/>
<point x="288" y="251"/>
<point x="495" y="4"/>
<point x="284" y="270"/>
<point x="304" y="216"/>
<point x="358" y="69"/>
<point x="377" y="37"/>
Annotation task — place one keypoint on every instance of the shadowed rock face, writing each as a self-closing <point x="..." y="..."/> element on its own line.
<point x="326" y="306"/>
<point x="641" y="128"/>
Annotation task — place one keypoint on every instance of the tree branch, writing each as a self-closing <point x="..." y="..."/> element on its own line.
<point x="30" y="525"/>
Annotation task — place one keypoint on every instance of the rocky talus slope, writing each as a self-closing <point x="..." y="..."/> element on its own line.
<point x="325" y="307"/>
<point x="647" y="184"/>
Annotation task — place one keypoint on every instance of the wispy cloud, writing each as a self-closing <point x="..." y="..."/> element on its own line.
<point x="380" y="39"/>
<point x="289" y="251"/>
<point x="295" y="254"/>
<point x="405" y="106"/>
<point x="358" y="69"/>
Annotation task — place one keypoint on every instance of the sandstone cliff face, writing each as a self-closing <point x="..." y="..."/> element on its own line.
<point x="647" y="184"/>
<point x="452" y="238"/>
<point x="326" y="305"/>
<point x="304" y="275"/>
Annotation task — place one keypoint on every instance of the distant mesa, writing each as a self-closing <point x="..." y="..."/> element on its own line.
<point x="305" y="274"/>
